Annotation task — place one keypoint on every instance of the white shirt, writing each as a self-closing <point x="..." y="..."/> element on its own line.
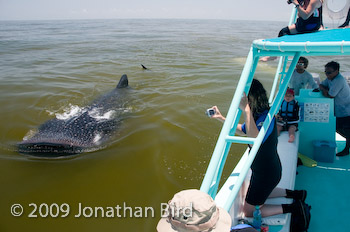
<point x="340" y="90"/>
<point x="301" y="81"/>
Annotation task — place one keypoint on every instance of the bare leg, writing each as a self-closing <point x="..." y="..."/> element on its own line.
<point x="278" y="192"/>
<point x="266" y="210"/>
<point x="295" y="194"/>
<point x="293" y="29"/>
<point x="291" y="132"/>
<point x="268" y="58"/>
<point x="270" y="210"/>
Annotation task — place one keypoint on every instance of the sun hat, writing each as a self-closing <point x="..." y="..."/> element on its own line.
<point x="193" y="210"/>
<point x="290" y="91"/>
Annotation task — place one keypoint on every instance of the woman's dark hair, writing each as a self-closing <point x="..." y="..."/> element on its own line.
<point x="257" y="98"/>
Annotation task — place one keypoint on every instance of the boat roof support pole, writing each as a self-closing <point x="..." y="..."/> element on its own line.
<point x="283" y="71"/>
<point x="293" y="16"/>
<point x="284" y="85"/>
<point x="275" y="81"/>
<point x="253" y="67"/>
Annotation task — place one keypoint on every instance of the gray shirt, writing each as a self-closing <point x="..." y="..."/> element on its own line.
<point x="339" y="89"/>
<point x="302" y="81"/>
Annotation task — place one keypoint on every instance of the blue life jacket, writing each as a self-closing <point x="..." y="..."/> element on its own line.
<point x="289" y="110"/>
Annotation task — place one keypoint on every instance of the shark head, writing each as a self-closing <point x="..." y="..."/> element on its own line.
<point x="48" y="149"/>
<point x="123" y="82"/>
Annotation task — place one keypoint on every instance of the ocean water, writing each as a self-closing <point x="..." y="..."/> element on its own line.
<point x="55" y="68"/>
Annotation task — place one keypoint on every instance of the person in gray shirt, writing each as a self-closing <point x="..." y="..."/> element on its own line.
<point x="302" y="79"/>
<point x="336" y="87"/>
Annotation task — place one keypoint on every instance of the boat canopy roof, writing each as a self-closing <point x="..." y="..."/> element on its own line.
<point x="326" y="42"/>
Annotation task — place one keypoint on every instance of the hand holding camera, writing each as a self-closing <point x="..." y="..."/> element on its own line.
<point x="214" y="112"/>
<point x="210" y="112"/>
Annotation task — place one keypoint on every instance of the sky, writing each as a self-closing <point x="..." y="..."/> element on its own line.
<point x="271" y="10"/>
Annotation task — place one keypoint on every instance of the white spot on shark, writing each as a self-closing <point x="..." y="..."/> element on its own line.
<point x="97" y="139"/>
<point x="68" y="112"/>
<point x="30" y="134"/>
<point x="96" y="114"/>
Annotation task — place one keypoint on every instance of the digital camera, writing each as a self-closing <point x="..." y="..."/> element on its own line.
<point x="210" y="112"/>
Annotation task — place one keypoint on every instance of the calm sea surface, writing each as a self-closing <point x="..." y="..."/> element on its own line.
<point x="51" y="68"/>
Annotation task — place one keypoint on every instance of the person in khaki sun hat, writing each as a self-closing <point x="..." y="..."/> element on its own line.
<point x="193" y="210"/>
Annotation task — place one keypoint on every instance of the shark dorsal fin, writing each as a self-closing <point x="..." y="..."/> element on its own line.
<point x="123" y="82"/>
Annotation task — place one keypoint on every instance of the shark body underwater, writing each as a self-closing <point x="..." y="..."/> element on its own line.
<point x="95" y="125"/>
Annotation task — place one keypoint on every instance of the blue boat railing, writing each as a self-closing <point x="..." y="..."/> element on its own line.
<point x="335" y="45"/>
<point x="212" y="178"/>
<point x="282" y="61"/>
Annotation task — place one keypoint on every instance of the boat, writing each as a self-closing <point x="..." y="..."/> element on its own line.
<point x="326" y="182"/>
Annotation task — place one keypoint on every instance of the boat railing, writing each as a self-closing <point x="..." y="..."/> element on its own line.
<point x="212" y="178"/>
<point x="289" y="49"/>
<point x="282" y="61"/>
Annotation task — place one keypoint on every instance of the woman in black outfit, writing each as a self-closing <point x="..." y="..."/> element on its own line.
<point x="266" y="167"/>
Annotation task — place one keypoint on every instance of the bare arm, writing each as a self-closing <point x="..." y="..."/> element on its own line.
<point x="239" y="130"/>
<point x="324" y="91"/>
<point x="251" y="129"/>
<point x="218" y="114"/>
<point x="306" y="13"/>
<point x="312" y="83"/>
<point x="221" y="118"/>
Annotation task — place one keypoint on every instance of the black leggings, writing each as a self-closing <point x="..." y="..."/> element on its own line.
<point x="311" y="24"/>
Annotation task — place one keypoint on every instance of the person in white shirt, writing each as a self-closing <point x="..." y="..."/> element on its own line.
<point x="302" y="79"/>
<point x="335" y="87"/>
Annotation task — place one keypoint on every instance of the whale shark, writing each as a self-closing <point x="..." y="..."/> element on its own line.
<point x="87" y="130"/>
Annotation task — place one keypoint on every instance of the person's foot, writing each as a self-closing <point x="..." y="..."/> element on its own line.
<point x="343" y="152"/>
<point x="297" y="207"/>
<point x="301" y="209"/>
<point x="300" y="195"/>
<point x="297" y="194"/>
<point x="291" y="138"/>
<point x="267" y="58"/>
